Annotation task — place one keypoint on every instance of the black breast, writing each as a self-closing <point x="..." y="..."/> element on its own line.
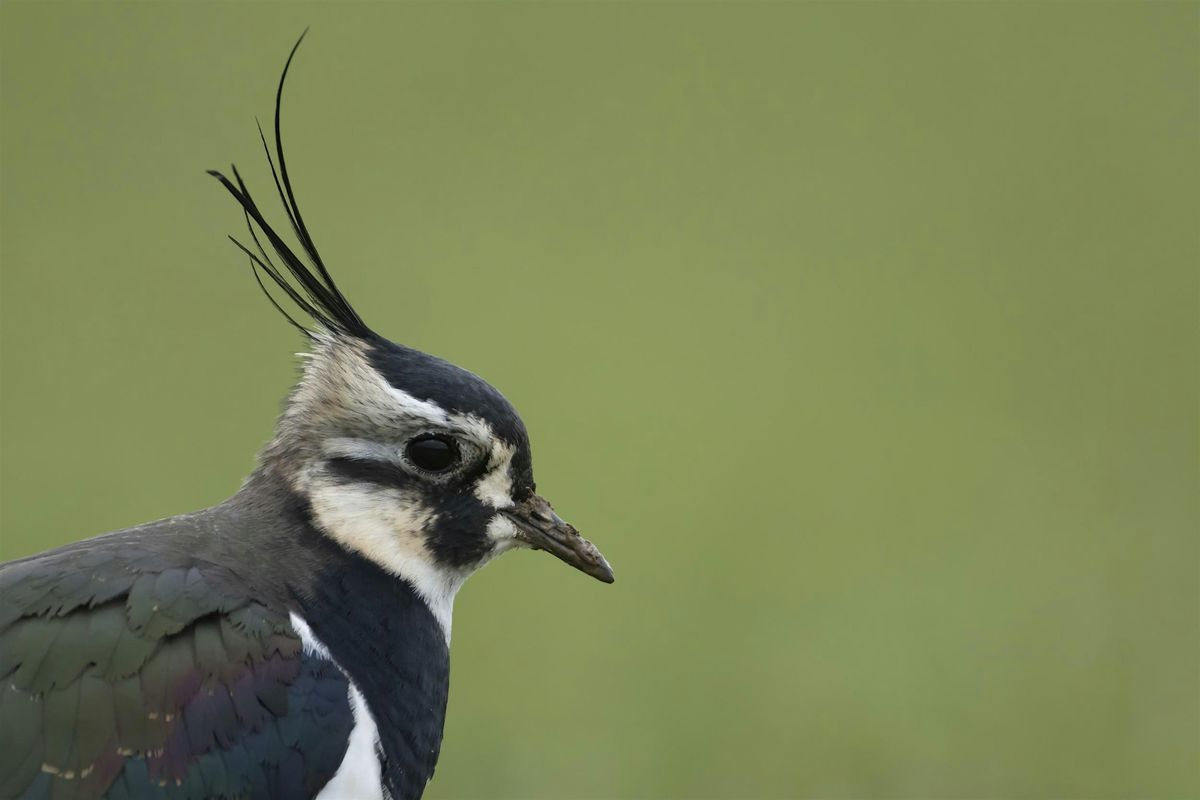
<point x="385" y="637"/>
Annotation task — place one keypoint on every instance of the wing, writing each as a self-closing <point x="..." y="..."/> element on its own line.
<point x="130" y="673"/>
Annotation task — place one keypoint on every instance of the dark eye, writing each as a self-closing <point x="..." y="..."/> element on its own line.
<point x="432" y="453"/>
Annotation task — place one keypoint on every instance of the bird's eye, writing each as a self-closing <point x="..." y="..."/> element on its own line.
<point x="433" y="453"/>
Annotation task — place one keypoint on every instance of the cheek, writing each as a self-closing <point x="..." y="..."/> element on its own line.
<point x="458" y="535"/>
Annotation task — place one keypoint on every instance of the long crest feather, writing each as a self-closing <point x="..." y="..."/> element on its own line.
<point x="307" y="284"/>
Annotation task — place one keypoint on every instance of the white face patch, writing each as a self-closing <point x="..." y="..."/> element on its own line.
<point x="503" y="532"/>
<point x="418" y="409"/>
<point x="387" y="526"/>
<point x="495" y="487"/>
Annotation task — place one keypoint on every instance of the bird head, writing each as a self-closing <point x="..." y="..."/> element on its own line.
<point x="413" y="462"/>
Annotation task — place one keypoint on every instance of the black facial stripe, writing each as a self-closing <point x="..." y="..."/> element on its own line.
<point x="359" y="470"/>
<point x="348" y="469"/>
<point x="458" y="513"/>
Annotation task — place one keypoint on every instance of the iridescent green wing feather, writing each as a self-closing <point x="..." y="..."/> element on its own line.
<point x="128" y="673"/>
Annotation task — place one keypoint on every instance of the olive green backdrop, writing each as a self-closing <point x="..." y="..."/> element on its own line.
<point x="863" y="338"/>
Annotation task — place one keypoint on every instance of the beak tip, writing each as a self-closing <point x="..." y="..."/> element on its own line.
<point x="598" y="568"/>
<point x="541" y="529"/>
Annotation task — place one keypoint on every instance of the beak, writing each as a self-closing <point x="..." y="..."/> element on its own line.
<point x="540" y="528"/>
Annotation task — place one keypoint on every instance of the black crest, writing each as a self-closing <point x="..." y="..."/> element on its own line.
<point x="313" y="291"/>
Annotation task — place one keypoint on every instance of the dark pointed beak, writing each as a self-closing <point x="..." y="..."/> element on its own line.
<point x="540" y="528"/>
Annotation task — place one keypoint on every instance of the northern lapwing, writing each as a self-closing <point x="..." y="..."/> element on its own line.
<point x="292" y="641"/>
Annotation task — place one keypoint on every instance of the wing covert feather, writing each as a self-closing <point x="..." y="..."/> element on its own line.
<point x="126" y="675"/>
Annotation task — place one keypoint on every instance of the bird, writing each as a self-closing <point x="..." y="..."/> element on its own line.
<point x="292" y="641"/>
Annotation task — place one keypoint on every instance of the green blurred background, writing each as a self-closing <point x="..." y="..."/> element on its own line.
<point x="863" y="338"/>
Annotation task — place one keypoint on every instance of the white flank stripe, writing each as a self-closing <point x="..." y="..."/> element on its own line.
<point x="359" y="776"/>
